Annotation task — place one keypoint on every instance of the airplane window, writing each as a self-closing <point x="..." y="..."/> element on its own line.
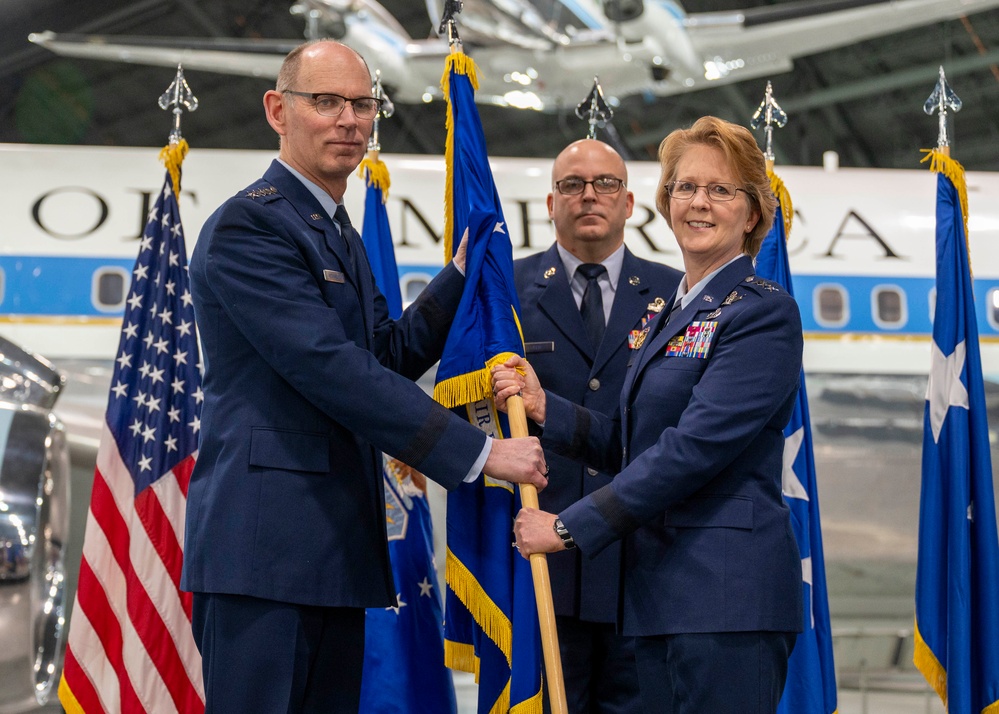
<point x="991" y="307"/>
<point x="109" y="287"/>
<point x="831" y="305"/>
<point x="412" y="286"/>
<point x="888" y="307"/>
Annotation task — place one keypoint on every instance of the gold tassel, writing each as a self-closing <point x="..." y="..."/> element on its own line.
<point x="941" y="163"/>
<point x="374" y="171"/>
<point x="784" y="199"/>
<point x="172" y="156"/>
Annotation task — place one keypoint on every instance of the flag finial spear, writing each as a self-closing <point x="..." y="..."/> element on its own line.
<point x="386" y="110"/>
<point x="449" y="23"/>
<point x="767" y="115"/>
<point x="594" y="109"/>
<point x="942" y="99"/>
<point x="180" y="97"/>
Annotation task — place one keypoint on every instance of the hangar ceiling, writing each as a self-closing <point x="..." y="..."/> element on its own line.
<point x="864" y="101"/>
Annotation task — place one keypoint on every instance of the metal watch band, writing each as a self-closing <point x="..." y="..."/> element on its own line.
<point x="563" y="533"/>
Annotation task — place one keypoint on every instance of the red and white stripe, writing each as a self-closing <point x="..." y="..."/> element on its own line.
<point x="131" y="649"/>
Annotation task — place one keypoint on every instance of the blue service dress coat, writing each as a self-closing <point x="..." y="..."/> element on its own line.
<point x="697" y="448"/>
<point x="286" y="500"/>
<point x="567" y="364"/>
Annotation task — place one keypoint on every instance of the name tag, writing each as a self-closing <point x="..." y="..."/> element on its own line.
<point x="535" y="347"/>
<point x="333" y="276"/>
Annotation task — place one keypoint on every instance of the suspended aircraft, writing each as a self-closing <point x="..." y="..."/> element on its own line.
<point x="543" y="54"/>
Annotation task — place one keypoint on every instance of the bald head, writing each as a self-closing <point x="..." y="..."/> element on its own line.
<point x="590" y="150"/>
<point x="590" y="225"/>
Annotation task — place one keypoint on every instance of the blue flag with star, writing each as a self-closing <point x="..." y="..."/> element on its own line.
<point x="404" y="670"/>
<point x="957" y="570"/>
<point x="811" y="674"/>
<point x="491" y="625"/>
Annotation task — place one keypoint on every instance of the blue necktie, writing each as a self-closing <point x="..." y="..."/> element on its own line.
<point x="592" y="307"/>
<point x="346" y="230"/>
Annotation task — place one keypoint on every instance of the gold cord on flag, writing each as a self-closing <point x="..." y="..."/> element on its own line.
<point x="942" y="163"/>
<point x="783" y="198"/>
<point x="172" y="156"/>
<point x="375" y="172"/>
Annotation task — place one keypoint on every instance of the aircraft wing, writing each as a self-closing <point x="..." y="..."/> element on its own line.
<point x="245" y="57"/>
<point x="753" y="42"/>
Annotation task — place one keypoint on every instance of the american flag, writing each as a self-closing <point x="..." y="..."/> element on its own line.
<point x="131" y="648"/>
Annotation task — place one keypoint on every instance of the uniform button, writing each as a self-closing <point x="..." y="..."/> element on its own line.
<point x="594" y="384"/>
<point x="591" y="472"/>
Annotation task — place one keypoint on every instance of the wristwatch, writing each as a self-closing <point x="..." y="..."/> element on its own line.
<point x="563" y="533"/>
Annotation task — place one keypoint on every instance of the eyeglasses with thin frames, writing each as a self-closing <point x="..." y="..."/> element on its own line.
<point x="685" y="190"/>
<point x="575" y="186"/>
<point x="331" y="105"/>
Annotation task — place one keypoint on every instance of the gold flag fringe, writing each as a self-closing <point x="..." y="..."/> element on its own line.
<point x="471" y="386"/>
<point x="461" y="656"/>
<point x="927" y="663"/>
<point x="784" y="199"/>
<point x="941" y="163"/>
<point x="460" y="63"/>
<point x="172" y="156"/>
<point x="374" y="171"/>
<point x="486" y="613"/>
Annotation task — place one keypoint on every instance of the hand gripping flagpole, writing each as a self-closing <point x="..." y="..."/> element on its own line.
<point x="517" y="418"/>
<point x="594" y="109"/>
<point x="179" y="96"/>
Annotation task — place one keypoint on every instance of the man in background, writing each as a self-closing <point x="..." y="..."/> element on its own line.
<point x="584" y="303"/>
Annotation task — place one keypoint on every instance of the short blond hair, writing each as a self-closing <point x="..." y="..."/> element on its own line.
<point x="744" y="158"/>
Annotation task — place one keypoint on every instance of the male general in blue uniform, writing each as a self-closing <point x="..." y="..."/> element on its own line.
<point x="579" y="334"/>
<point x="307" y="381"/>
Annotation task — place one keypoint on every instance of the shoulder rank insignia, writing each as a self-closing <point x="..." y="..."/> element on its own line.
<point x="260" y="192"/>
<point x="550" y="272"/>
<point x="765" y="284"/>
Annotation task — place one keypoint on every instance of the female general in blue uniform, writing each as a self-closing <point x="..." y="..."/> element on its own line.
<point x="712" y="574"/>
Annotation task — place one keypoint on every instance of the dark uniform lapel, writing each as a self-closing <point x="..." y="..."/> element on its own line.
<point x="315" y="216"/>
<point x="710" y="299"/>
<point x="557" y="303"/>
<point x="631" y="301"/>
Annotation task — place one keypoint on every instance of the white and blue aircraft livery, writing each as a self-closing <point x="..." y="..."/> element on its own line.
<point x="862" y="244"/>
<point x="862" y="255"/>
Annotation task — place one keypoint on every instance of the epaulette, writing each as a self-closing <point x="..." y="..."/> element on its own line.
<point x="261" y="192"/>
<point x="762" y="284"/>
